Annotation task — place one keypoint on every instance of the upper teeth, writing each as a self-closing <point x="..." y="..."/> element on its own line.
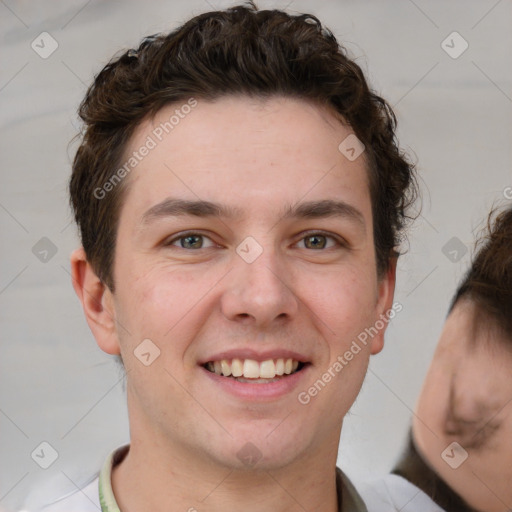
<point x="251" y="369"/>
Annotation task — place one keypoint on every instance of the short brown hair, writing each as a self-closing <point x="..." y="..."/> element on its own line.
<point x="488" y="282"/>
<point x="238" y="51"/>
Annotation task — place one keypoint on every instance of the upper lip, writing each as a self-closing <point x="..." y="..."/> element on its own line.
<point x="255" y="355"/>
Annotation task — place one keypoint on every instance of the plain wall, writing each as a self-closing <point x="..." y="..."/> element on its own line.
<point x="455" y="118"/>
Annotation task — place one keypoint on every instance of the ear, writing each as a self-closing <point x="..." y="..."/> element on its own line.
<point x="386" y="292"/>
<point x="97" y="301"/>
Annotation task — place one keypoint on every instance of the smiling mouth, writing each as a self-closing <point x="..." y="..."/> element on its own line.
<point x="254" y="372"/>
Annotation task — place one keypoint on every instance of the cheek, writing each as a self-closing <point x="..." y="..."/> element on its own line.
<point x="154" y="302"/>
<point x="168" y="305"/>
<point x="344" y="301"/>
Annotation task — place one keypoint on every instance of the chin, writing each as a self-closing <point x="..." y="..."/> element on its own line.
<point x="259" y="452"/>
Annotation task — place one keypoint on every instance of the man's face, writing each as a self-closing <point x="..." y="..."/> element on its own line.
<point x="282" y="272"/>
<point x="467" y="399"/>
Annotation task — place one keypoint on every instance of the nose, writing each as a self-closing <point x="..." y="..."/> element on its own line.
<point x="259" y="293"/>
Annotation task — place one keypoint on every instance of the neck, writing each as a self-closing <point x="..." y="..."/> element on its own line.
<point x="413" y="468"/>
<point x="154" y="478"/>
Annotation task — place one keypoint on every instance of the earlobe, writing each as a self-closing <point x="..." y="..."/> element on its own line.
<point x="97" y="302"/>
<point x="386" y="294"/>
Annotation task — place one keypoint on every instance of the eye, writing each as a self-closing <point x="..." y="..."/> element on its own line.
<point x="190" y="241"/>
<point x="318" y="241"/>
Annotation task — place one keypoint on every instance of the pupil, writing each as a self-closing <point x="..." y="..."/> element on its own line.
<point x="191" y="241"/>
<point x="316" y="241"/>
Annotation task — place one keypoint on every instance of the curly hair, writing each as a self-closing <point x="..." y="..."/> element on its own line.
<point x="238" y="51"/>
<point x="488" y="282"/>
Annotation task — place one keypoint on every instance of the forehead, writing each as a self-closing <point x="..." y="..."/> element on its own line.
<point x="241" y="151"/>
<point x="481" y="355"/>
<point x="478" y="363"/>
<point x="469" y="327"/>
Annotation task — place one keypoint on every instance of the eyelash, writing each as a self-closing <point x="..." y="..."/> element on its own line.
<point x="338" y="240"/>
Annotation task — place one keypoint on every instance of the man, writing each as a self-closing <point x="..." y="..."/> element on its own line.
<point x="239" y="194"/>
<point x="459" y="453"/>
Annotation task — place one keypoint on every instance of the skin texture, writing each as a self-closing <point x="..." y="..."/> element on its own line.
<point x="467" y="398"/>
<point x="259" y="156"/>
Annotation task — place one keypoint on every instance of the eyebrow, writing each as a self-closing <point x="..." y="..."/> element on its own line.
<point x="325" y="208"/>
<point x="173" y="207"/>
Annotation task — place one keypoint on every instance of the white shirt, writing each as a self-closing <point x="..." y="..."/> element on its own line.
<point x="98" y="496"/>
<point x="86" y="500"/>
<point x="393" y="493"/>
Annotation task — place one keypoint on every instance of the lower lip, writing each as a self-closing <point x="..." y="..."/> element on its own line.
<point x="248" y="391"/>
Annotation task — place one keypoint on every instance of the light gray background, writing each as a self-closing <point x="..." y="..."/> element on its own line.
<point x="56" y="385"/>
